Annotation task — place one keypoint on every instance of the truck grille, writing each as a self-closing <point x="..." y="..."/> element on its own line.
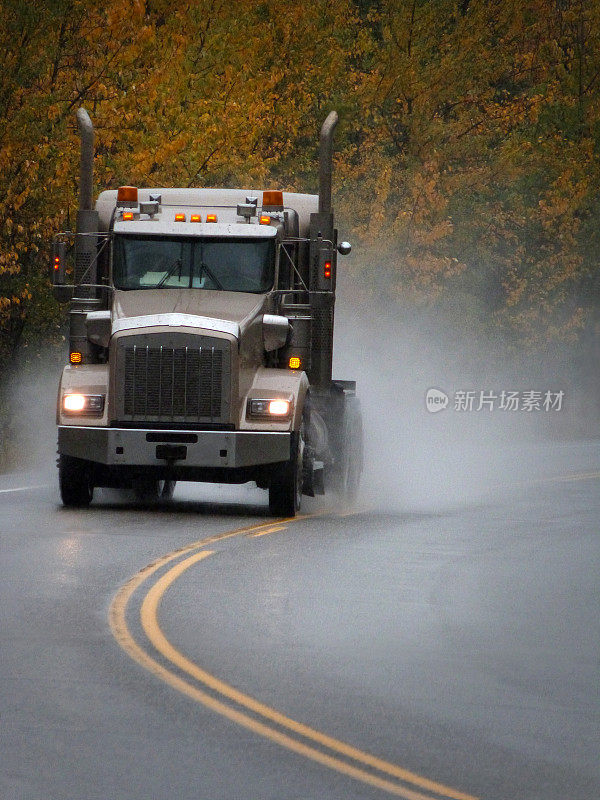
<point x="178" y="381"/>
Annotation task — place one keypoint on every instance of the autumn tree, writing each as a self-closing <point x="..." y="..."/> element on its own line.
<point x="478" y="155"/>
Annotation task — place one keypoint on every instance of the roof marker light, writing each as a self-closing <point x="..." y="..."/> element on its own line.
<point x="179" y="217"/>
<point x="273" y="200"/>
<point x="195" y="218"/>
<point x="211" y="217"/>
<point x="127" y="195"/>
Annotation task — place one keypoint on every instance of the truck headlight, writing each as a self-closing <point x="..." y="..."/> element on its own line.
<point x="269" y="408"/>
<point x="92" y="404"/>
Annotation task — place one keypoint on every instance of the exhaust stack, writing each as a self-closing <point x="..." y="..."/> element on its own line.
<point x="86" y="168"/>
<point x="322" y="249"/>
<point x="87" y="217"/>
<point x="86" y="297"/>
<point x="326" y="161"/>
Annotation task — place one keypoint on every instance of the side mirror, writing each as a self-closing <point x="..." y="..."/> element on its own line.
<point x="344" y="248"/>
<point x="98" y="327"/>
<point x="276" y="330"/>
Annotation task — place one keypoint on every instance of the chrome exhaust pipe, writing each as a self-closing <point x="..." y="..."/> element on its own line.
<point x="86" y="268"/>
<point x="86" y="167"/>
<point x="326" y="161"/>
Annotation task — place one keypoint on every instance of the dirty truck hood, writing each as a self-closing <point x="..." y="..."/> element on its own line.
<point x="229" y="312"/>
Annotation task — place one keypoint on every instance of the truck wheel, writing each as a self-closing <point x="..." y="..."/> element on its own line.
<point x="75" y="482"/>
<point x="285" y="489"/>
<point x="351" y="462"/>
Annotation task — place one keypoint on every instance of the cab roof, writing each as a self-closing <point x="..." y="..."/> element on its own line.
<point x="222" y="202"/>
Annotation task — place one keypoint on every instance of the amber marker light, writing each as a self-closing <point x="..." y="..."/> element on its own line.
<point x="127" y="194"/>
<point x="273" y="198"/>
<point x="264" y="220"/>
<point x="75" y="358"/>
<point x="74" y="402"/>
<point x="195" y="218"/>
<point x="294" y="362"/>
<point x="211" y="217"/>
<point x="127" y="216"/>
<point x="179" y="217"/>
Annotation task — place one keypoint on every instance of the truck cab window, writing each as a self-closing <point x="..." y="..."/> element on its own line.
<point x="232" y="265"/>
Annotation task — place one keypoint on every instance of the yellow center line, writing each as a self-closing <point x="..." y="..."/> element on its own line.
<point x="267" y="532"/>
<point x="149" y="619"/>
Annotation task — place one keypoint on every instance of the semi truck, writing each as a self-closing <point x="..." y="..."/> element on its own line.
<point x="201" y="341"/>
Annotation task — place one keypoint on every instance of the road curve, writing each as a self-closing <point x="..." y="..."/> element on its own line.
<point x="209" y="651"/>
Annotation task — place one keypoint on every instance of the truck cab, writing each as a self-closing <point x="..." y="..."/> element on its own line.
<point x="200" y="344"/>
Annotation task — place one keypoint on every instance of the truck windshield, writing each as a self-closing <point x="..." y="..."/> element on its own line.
<point x="155" y="262"/>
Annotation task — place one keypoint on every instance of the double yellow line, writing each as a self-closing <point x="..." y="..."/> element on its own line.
<point x="233" y="704"/>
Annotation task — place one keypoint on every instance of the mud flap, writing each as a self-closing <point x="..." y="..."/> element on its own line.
<point x="313" y="477"/>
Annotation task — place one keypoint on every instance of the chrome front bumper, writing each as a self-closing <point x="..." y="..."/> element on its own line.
<point x="148" y="447"/>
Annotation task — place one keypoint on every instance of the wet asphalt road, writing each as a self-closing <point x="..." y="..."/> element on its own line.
<point x="461" y="644"/>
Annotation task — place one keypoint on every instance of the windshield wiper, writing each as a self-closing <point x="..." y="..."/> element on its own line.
<point x="170" y="271"/>
<point x="210" y="273"/>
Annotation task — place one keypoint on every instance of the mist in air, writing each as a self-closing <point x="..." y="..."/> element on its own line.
<point x="419" y="460"/>
<point x="414" y="459"/>
<point x="28" y="399"/>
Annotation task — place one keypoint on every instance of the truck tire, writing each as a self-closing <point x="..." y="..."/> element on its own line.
<point x="351" y="456"/>
<point x="285" y="489"/>
<point x="75" y="482"/>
